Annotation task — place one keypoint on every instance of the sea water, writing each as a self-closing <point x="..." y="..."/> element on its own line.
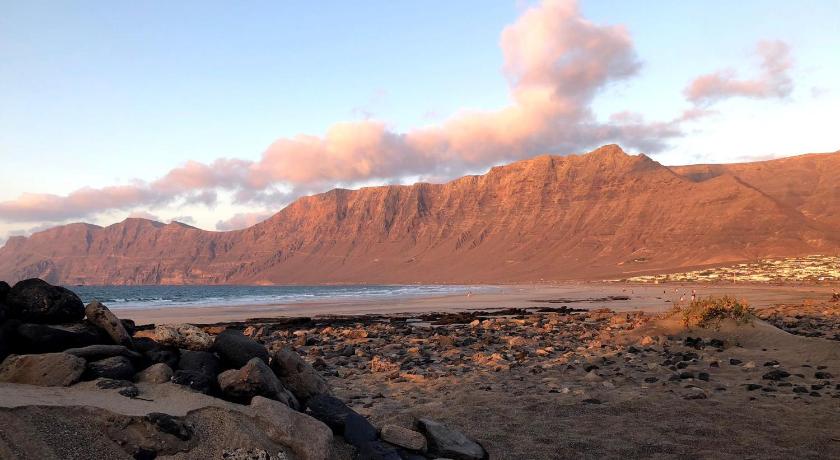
<point x="199" y="296"/>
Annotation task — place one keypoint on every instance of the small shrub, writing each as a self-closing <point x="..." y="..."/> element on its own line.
<point x="711" y="311"/>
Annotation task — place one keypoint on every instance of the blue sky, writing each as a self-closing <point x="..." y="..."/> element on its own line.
<point x="120" y="93"/>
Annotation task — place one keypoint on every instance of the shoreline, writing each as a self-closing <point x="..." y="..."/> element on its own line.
<point x="586" y="295"/>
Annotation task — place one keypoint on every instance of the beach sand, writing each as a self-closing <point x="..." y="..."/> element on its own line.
<point x="644" y="297"/>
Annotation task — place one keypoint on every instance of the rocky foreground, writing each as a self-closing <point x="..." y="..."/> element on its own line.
<point x="531" y="383"/>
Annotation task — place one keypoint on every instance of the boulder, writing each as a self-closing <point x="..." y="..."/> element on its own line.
<point x="297" y="375"/>
<point x="4" y="291"/>
<point x="100" y="316"/>
<point x="116" y="367"/>
<point x="377" y="450"/>
<point x="36" y="301"/>
<point x="199" y="361"/>
<point x="156" y="373"/>
<point x="308" y="438"/>
<point x="179" y="336"/>
<point x="358" y="431"/>
<point x="254" y="379"/>
<point x="194" y="380"/>
<point x="97" y="352"/>
<point x="51" y="369"/>
<point x="450" y="443"/>
<point x="403" y="437"/>
<point x="49" y="338"/>
<point x="236" y="350"/>
<point x="157" y="353"/>
<point x="342" y="419"/>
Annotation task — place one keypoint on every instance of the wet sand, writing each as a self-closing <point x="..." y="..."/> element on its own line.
<point x="645" y="297"/>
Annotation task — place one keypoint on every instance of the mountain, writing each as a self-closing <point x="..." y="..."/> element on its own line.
<point x="603" y="214"/>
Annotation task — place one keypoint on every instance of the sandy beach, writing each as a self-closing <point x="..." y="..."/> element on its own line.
<point x="644" y="297"/>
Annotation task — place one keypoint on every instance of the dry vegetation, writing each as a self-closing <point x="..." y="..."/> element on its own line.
<point x="708" y="313"/>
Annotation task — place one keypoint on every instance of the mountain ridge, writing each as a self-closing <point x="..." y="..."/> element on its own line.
<point x="595" y="215"/>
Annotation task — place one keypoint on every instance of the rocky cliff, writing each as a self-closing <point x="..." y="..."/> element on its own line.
<point x="601" y="214"/>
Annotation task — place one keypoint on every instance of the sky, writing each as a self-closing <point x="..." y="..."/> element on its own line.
<point x="218" y="114"/>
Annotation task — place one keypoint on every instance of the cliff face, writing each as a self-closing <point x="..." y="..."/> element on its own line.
<point x="602" y="214"/>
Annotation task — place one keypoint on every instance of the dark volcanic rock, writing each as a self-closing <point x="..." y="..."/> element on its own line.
<point x="4" y="290"/>
<point x="236" y="349"/>
<point x="37" y="301"/>
<point x="450" y="443"/>
<point x="195" y="380"/>
<point x="97" y="352"/>
<point x="157" y="353"/>
<point x="776" y="374"/>
<point x="297" y="375"/>
<point x="254" y="379"/>
<point x="51" y="369"/>
<point x="117" y="368"/>
<point x="329" y="410"/>
<point x="47" y="338"/>
<point x="199" y="361"/>
<point x="358" y="431"/>
<point x="377" y="450"/>
<point x="170" y="425"/>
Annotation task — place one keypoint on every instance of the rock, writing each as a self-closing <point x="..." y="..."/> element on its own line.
<point x="97" y="352"/>
<point x="822" y="375"/>
<point x="647" y="341"/>
<point x="200" y="361"/>
<point x="329" y="410"/>
<point x="403" y="437"/>
<point x="156" y="373"/>
<point x="255" y="378"/>
<point x="110" y="384"/>
<point x="450" y="443"/>
<point x="236" y="350"/>
<point x="297" y="375"/>
<point x="117" y="367"/>
<point x="358" y="431"/>
<point x="51" y="369"/>
<point x="4" y="291"/>
<point x="157" y="353"/>
<point x="384" y="366"/>
<point x="179" y="336"/>
<point x="36" y="301"/>
<point x="50" y="338"/>
<point x="195" y="380"/>
<point x="734" y="361"/>
<point x="376" y="450"/>
<point x="100" y="316"/>
<point x="168" y="424"/>
<point x="776" y="374"/>
<point x="308" y="438"/>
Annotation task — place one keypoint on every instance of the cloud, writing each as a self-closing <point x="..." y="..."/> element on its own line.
<point x="144" y="215"/>
<point x="556" y="62"/>
<point x="183" y="219"/>
<point x="243" y="220"/>
<point x="774" y="81"/>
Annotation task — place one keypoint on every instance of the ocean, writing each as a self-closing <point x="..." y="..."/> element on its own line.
<point x="117" y="297"/>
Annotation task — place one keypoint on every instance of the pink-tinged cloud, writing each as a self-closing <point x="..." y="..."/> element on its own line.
<point x="556" y="62"/>
<point x="144" y="215"/>
<point x="243" y="220"/>
<point x="774" y="81"/>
